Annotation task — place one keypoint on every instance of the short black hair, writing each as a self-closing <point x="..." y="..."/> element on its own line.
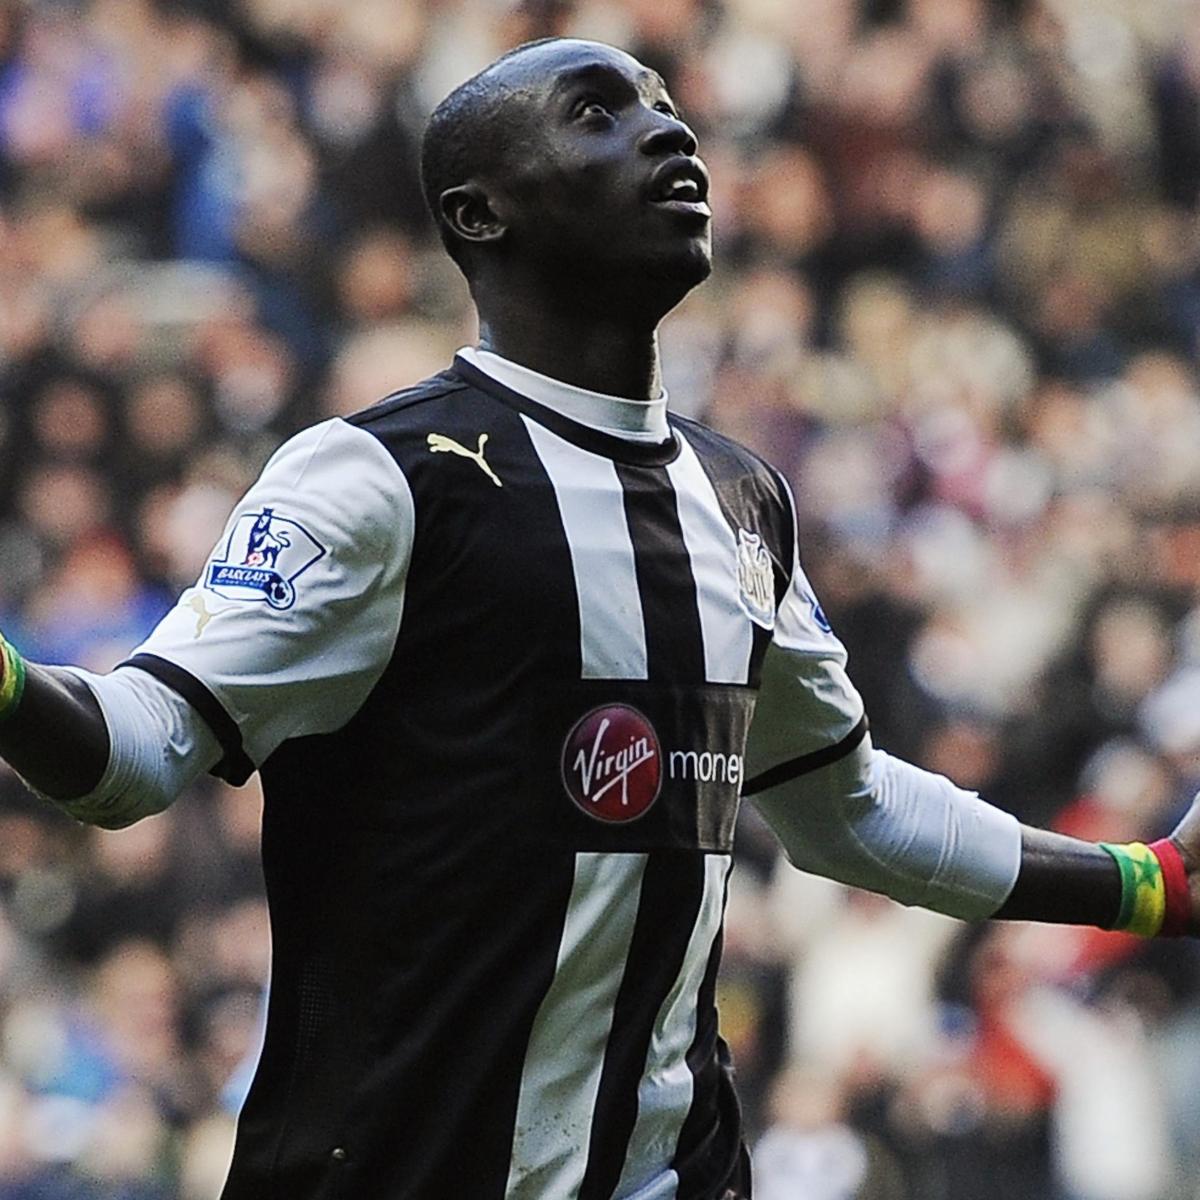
<point x="463" y="137"/>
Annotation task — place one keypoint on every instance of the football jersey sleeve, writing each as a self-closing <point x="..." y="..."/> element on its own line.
<point x="296" y="612"/>
<point x="808" y="712"/>
<point x="843" y="809"/>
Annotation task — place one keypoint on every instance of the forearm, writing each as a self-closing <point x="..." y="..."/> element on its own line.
<point x="1063" y="880"/>
<point x="56" y="737"/>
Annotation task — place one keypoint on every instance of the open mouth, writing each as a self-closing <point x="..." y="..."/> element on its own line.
<point x="681" y="185"/>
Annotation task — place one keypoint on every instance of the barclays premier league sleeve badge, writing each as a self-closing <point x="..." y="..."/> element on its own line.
<point x="262" y="559"/>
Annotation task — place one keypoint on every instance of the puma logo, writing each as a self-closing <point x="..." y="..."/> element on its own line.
<point x="203" y="616"/>
<point x="440" y="444"/>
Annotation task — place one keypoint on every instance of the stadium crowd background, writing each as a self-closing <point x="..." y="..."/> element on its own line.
<point x="957" y="301"/>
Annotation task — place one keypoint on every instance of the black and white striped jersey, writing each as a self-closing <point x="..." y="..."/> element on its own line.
<point x="499" y="671"/>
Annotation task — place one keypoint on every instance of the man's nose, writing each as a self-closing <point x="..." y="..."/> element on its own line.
<point x="667" y="135"/>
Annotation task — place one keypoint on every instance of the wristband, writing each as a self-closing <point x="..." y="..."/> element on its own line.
<point x="1143" y="889"/>
<point x="12" y="682"/>
<point x="1178" y="917"/>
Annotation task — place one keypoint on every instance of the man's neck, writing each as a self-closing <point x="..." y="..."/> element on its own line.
<point x="587" y="351"/>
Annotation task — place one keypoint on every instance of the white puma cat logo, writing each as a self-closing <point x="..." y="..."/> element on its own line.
<point x="203" y="616"/>
<point x="440" y="444"/>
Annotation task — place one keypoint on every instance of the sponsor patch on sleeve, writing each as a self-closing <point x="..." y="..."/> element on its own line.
<point x="261" y="560"/>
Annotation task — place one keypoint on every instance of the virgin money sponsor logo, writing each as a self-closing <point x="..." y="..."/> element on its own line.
<point x="612" y="764"/>
<point x="706" y="766"/>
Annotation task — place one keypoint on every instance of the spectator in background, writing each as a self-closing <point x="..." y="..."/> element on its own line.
<point x="810" y="1151"/>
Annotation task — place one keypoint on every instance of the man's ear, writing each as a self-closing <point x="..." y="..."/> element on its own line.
<point x="467" y="210"/>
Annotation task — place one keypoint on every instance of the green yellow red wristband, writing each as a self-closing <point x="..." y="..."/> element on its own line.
<point x="12" y="681"/>
<point x="1177" y="919"/>
<point x="1143" y="889"/>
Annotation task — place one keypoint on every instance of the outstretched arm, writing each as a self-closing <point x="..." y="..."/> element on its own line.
<point x="858" y="815"/>
<point x="277" y="645"/>
<point x="876" y="822"/>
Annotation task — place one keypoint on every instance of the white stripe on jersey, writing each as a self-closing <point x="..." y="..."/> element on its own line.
<point x="565" y="1057"/>
<point x="712" y="547"/>
<point x="665" y="1093"/>
<point x="591" y="503"/>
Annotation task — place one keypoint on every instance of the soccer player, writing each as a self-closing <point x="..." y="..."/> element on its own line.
<point x="508" y="648"/>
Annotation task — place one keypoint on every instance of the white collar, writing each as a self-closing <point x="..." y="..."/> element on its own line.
<point x="634" y="420"/>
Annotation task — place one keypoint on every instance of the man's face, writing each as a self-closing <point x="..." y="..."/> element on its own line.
<point x="601" y="178"/>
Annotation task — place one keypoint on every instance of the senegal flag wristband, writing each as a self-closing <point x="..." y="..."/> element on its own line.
<point x="1154" y="890"/>
<point x="1177" y="920"/>
<point x="12" y="682"/>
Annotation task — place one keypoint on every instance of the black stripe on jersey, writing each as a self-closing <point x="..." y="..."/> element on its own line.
<point x="672" y="895"/>
<point x="700" y="1161"/>
<point x="806" y="763"/>
<point x="646" y="454"/>
<point x="674" y="638"/>
<point x="235" y="767"/>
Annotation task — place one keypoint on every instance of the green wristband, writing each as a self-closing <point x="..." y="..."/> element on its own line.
<point x="12" y="686"/>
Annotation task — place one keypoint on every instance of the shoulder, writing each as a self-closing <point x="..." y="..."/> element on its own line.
<point x="334" y="482"/>
<point x="331" y="453"/>
<point x="726" y="460"/>
<point x="411" y="404"/>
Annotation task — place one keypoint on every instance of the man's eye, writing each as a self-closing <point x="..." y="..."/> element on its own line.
<point x="590" y="106"/>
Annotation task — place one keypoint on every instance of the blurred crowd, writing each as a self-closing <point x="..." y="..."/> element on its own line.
<point x="957" y="301"/>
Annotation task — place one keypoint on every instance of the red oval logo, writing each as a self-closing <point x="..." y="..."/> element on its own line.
<point x="612" y="764"/>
